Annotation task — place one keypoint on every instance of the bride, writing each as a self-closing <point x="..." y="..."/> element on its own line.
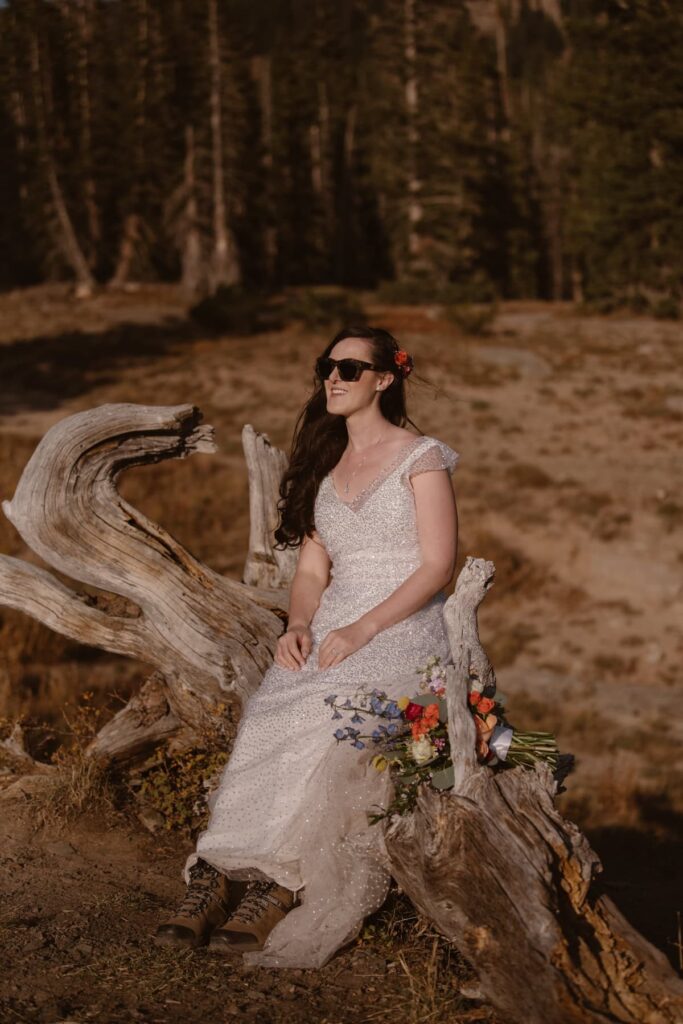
<point x="371" y="505"/>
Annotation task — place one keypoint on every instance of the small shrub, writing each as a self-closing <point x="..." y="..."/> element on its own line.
<point x="80" y="782"/>
<point x="417" y="291"/>
<point x="671" y="514"/>
<point x="663" y="307"/>
<point x="668" y="308"/>
<point x="236" y="310"/>
<point x="525" y="474"/>
<point x="472" y="319"/>
<point x="178" y="787"/>
<point x="316" y="308"/>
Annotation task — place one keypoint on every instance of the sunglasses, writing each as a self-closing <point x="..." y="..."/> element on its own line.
<point x="349" y="369"/>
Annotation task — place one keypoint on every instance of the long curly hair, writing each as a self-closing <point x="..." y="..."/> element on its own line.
<point x="320" y="438"/>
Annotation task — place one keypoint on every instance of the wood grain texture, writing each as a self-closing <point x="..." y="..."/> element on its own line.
<point x="203" y="632"/>
<point x="491" y="862"/>
<point x="266" y="566"/>
<point x="505" y="877"/>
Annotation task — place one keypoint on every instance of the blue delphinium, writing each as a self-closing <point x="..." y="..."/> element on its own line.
<point x="376" y="705"/>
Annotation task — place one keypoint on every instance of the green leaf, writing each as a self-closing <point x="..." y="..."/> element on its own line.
<point x="444" y="778"/>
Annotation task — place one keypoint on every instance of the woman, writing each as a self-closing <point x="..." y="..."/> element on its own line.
<point x="372" y="507"/>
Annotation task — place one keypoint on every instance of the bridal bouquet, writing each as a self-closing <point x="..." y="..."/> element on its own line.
<point x="412" y="741"/>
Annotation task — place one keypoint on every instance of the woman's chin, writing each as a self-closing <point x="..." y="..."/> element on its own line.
<point x="334" y="405"/>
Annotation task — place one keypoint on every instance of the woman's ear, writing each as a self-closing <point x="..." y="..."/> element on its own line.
<point x="385" y="382"/>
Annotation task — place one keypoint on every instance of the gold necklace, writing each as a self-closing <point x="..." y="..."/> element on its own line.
<point x="362" y="463"/>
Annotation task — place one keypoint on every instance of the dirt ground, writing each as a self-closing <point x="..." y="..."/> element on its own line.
<point x="570" y="431"/>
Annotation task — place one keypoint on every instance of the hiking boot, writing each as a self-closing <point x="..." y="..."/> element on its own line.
<point x="204" y="906"/>
<point x="264" y="906"/>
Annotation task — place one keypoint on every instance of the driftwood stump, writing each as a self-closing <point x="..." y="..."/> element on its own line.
<point x="208" y="638"/>
<point x="491" y="862"/>
<point x="501" y="874"/>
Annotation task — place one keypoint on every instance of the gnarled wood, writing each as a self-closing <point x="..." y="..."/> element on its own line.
<point x="266" y="566"/>
<point x="143" y="724"/>
<point x="491" y="862"/>
<point x="502" y="875"/>
<point x="209" y="640"/>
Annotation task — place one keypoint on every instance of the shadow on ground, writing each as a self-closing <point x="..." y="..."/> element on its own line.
<point x="642" y="873"/>
<point x="42" y="373"/>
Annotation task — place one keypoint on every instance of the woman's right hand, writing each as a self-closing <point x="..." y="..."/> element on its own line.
<point x="293" y="647"/>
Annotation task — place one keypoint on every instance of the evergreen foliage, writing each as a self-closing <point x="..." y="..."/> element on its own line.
<point x="503" y="149"/>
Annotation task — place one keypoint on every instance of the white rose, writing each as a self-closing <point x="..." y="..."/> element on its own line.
<point x="422" y="750"/>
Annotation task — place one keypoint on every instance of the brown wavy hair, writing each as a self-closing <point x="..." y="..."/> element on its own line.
<point x="320" y="438"/>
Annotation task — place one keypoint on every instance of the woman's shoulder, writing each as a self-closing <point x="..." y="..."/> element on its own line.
<point x="432" y="453"/>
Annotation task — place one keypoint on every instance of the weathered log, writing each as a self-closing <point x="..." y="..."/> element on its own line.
<point x="501" y="874"/>
<point x="491" y="862"/>
<point x="15" y="755"/>
<point x="143" y="724"/>
<point x="203" y="632"/>
<point x="266" y="566"/>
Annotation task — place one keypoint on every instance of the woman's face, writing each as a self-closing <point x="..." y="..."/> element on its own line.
<point x="345" y="397"/>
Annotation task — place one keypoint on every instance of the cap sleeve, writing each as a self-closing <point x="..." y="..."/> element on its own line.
<point x="436" y="455"/>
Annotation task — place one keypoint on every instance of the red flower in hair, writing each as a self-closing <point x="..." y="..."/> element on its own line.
<point x="404" y="361"/>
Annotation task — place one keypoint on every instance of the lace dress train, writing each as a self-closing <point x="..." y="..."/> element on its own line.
<point x="292" y="803"/>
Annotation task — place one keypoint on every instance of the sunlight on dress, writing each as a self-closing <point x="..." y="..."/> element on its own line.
<point x="292" y="803"/>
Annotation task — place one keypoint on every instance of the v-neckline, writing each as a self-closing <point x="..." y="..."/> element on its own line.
<point x="383" y="475"/>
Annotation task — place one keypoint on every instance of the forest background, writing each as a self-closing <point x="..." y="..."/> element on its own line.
<point x="196" y="194"/>
<point x="515" y="149"/>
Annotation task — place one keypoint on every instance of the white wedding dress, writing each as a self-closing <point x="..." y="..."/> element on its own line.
<point x="292" y="803"/>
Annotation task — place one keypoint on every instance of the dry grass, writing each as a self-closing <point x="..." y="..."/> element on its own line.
<point x="535" y="453"/>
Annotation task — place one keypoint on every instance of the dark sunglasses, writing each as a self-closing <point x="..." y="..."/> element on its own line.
<point x="349" y="369"/>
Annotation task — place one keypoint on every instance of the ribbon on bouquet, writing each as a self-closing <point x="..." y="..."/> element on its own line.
<point x="500" y="741"/>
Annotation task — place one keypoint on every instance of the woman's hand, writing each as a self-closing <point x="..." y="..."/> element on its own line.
<point x="293" y="647"/>
<point x="339" y="643"/>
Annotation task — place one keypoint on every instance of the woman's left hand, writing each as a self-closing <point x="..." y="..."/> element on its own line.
<point x="339" y="643"/>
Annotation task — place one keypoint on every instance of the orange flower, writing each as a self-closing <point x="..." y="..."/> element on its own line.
<point x="485" y="705"/>
<point x="431" y="715"/>
<point x="474" y="697"/>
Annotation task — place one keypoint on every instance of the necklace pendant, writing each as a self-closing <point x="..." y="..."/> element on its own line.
<point x="346" y="489"/>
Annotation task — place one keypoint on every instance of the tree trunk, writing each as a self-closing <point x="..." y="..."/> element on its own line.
<point x="261" y="67"/>
<point x="412" y="110"/>
<point x="84" y="12"/>
<point x="132" y="232"/>
<point x="193" y="271"/>
<point x="68" y="242"/>
<point x="130" y="237"/>
<point x="225" y="268"/>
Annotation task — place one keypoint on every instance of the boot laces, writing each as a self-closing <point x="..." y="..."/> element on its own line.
<point x="255" y="902"/>
<point x="201" y="889"/>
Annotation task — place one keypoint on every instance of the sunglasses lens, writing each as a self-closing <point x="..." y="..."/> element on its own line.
<point x="348" y="369"/>
<point x="323" y="368"/>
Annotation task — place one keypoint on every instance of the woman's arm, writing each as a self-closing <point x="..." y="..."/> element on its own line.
<point x="311" y="578"/>
<point x="437" y="528"/>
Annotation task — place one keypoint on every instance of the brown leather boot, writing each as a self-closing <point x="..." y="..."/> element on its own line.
<point x="264" y="906"/>
<point x="205" y="905"/>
